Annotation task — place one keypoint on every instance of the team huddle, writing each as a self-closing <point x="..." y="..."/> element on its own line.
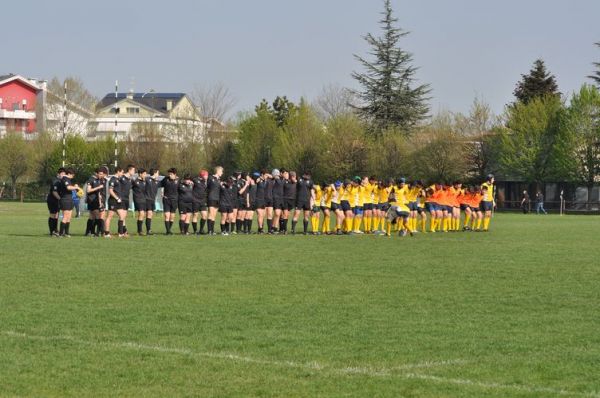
<point x="361" y="205"/>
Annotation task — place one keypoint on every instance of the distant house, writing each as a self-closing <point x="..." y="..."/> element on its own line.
<point x="28" y="107"/>
<point x="171" y="114"/>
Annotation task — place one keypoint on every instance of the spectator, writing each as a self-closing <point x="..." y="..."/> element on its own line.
<point x="539" y="203"/>
<point x="525" y="203"/>
<point x="75" y="202"/>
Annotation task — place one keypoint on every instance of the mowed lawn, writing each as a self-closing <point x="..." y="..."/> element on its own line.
<point x="511" y="313"/>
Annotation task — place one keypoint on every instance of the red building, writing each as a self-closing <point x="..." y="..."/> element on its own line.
<point x="18" y="101"/>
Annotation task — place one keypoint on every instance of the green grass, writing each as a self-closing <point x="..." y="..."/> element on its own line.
<point x="511" y="313"/>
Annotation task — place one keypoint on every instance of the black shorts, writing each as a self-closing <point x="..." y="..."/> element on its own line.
<point x="335" y="206"/>
<point x="185" y="207"/>
<point x="464" y="206"/>
<point x="139" y="205"/>
<point x="289" y="204"/>
<point x="124" y="205"/>
<point x="420" y="210"/>
<point x="345" y="206"/>
<point x="368" y="206"/>
<point x="213" y="203"/>
<point x="384" y="206"/>
<point x="66" y="204"/>
<point x="278" y="203"/>
<point x="413" y="206"/>
<point x="268" y="202"/>
<point x="150" y="205"/>
<point x="475" y="209"/>
<point x="486" y="206"/>
<point x="53" y="206"/>
<point x="259" y="205"/>
<point x="198" y="206"/>
<point x="169" y="205"/>
<point x="226" y="209"/>
<point x="93" y="206"/>
<point x="304" y="205"/>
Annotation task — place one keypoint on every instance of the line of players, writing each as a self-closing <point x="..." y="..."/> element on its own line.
<point x="357" y="206"/>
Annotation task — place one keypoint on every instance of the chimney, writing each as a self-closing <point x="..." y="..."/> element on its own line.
<point x="169" y="105"/>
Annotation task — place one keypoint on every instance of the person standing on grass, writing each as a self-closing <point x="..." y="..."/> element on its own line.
<point x="123" y="208"/>
<point x="95" y="190"/>
<point x="214" y="192"/>
<point x="305" y="199"/>
<point x="53" y="202"/>
<point x="114" y="199"/>
<point x="539" y="203"/>
<point x="152" y="184"/>
<point x="66" y="201"/>
<point x="138" y="188"/>
<point x="170" y="185"/>
<point x="200" y="202"/>
<point x="185" y="196"/>
<point x="525" y="202"/>
<point x="487" y="203"/>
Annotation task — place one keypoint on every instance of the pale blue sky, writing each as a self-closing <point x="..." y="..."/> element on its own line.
<point x="264" y="48"/>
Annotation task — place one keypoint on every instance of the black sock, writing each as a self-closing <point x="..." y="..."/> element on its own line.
<point x="181" y="226"/>
<point x="249" y="226"/>
<point x="51" y="224"/>
<point x="186" y="228"/>
<point x="124" y="228"/>
<point x="89" y="226"/>
<point x="55" y="225"/>
<point x="167" y="228"/>
<point x="305" y="225"/>
<point x="211" y="226"/>
<point x="294" y="225"/>
<point x="148" y="224"/>
<point x="223" y="227"/>
<point x="195" y="226"/>
<point x="238" y="225"/>
<point x="140" y="223"/>
<point x="99" y="226"/>
<point x="285" y="224"/>
<point x="202" y="224"/>
<point x="62" y="228"/>
<point x="270" y="224"/>
<point x="120" y="227"/>
<point x="231" y="227"/>
<point x="170" y="225"/>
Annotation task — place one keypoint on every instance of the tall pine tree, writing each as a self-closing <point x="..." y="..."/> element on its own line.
<point x="596" y="75"/>
<point x="538" y="83"/>
<point x="389" y="96"/>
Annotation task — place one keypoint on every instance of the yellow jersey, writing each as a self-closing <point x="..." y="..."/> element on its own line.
<point x="412" y="194"/>
<point x="375" y="194"/>
<point x="488" y="196"/>
<point x="318" y="194"/>
<point x="401" y="199"/>
<point x="366" y="192"/>
<point x="353" y="195"/>
<point x="384" y="194"/>
<point x="327" y="197"/>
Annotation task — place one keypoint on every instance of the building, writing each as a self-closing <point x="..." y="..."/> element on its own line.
<point x="27" y="106"/>
<point x="18" y="104"/>
<point x="173" y="115"/>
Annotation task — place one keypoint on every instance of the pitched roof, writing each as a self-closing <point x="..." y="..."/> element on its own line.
<point x="157" y="101"/>
<point x="11" y="76"/>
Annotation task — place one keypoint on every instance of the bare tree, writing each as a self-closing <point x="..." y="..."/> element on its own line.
<point x="80" y="106"/>
<point x="215" y="101"/>
<point x="15" y="158"/>
<point x="334" y="100"/>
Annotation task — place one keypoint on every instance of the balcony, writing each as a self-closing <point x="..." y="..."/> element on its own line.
<point x="18" y="114"/>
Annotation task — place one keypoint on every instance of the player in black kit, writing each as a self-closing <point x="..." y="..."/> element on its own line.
<point x="170" y="185"/>
<point x="152" y="185"/>
<point x="186" y="199"/>
<point x="66" y="201"/>
<point x="138" y="187"/>
<point x="289" y="199"/>
<point x="95" y="198"/>
<point x="277" y="200"/>
<point x="52" y="200"/>
<point x="200" y="203"/>
<point x="305" y="198"/>
<point x="214" y="193"/>
<point x="125" y="190"/>
<point x="114" y="199"/>
<point x="227" y="196"/>
<point x="260" y="202"/>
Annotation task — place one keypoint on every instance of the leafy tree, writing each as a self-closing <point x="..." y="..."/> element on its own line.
<point x="257" y="135"/>
<point x="531" y="147"/>
<point x="538" y="83"/>
<point x="583" y="126"/>
<point x="347" y="150"/>
<point x="15" y="158"/>
<point x="390" y="154"/>
<point x="389" y="96"/>
<point x="596" y="75"/>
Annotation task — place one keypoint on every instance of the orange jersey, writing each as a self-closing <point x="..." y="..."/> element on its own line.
<point x="475" y="200"/>
<point x="452" y="196"/>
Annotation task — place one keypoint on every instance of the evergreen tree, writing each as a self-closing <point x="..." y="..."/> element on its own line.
<point x="596" y="75"/>
<point x="537" y="84"/>
<point x="389" y="96"/>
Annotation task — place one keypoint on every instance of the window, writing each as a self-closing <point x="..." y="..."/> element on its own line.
<point x="132" y="110"/>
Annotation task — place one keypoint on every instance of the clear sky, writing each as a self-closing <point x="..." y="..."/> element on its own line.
<point x="264" y="48"/>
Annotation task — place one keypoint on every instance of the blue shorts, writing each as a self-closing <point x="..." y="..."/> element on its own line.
<point x="357" y="210"/>
<point x="345" y="205"/>
<point x="486" y="206"/>
<point x="431" y="206"/>
<point x="383" y="206"/>
<point x="413" y="206"/>
<point x="368" y="206"/>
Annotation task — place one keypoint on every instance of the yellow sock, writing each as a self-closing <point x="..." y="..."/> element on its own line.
<point x="445" y="224"/>
<point x="456" y="224"/>
<point x="486" y="223"/>
<point x="423" y="225"/>
<point x="382" y="222"/>
<point x="366" y="222"/>
<point x="432" y="225"/>
<point x="479" y="223"/>
<point x="325" y="225"/>
<point x="389" y="228"/>
<point x="357" y="221"/>
<point x="467" y="219"/>
<point x="375" y="223"/>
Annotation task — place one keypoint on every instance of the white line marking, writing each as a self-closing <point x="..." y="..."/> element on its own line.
<point x="358" y="370"/>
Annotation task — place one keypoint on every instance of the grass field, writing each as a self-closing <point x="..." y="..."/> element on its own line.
<point x="511" y="313"/>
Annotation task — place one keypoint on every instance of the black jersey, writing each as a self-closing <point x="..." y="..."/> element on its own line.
<point x="214" y="188"/>
<point x="125" y="187"/>
<point x="138" y="186"/>
<point x="289" y="189"/>
<point x="251" y="194"/>
<point x="261" y="190"/>
<point x="63" y="190"/>
<point x="269" y="185"/>
<point x="227" y="195"/>
<point x="200" y="190"/>
<point x="170" y="187"/>
<point x="185" y="192"/>
<point x="304" y="188"/>
<point x="151" y="188"/>
<point x="278" y="188"/>
<point x="55" y="187"/>
<point x="95" y="197"/>
<point x="115" y="185"/>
